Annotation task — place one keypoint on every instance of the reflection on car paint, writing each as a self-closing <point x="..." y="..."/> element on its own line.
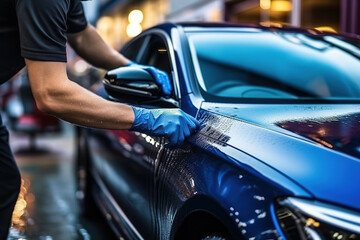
<point x="337" y="132"/>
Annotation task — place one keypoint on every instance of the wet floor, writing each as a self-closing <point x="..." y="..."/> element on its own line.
<point x="47" y="208"/>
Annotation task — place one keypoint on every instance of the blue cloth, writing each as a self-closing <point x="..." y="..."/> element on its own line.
<point x="174" y="124"/>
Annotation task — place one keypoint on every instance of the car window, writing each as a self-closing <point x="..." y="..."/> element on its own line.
<point x="275" y="65"/>
<point x="131" y="51"/>
<point x="156" y="54"/>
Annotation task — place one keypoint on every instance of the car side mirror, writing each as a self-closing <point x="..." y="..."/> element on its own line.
<point x="135" y="86"/>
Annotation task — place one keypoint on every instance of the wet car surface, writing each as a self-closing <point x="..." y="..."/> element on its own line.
<point x="277" y="154"/>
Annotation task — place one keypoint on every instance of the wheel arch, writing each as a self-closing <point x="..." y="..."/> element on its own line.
<point x="202" y="216"/>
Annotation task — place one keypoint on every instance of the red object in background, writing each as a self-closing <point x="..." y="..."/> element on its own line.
<point x="22" y="113"/>
<point x="36" y="122"/>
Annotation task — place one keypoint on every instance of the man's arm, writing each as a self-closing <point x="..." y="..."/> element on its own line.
<point x="90" y="46"/>
<point x="55" y="94"/>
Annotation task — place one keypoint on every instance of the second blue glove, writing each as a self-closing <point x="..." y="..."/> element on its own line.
<point x="174" y="124"/>
<point x="160" y="76"/>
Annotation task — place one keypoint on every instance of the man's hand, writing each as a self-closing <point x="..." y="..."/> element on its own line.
<point x="160" y="76"/>
<point x="174" y="124"/>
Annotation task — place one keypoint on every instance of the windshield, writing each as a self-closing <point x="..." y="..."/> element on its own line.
<point x="282" y="65"/>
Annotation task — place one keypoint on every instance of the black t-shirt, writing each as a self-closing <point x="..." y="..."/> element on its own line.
<point x="36" y="29"/>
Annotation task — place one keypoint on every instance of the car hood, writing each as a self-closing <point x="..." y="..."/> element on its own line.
<point x="335" y="126"/>
<point x="317" y="146"/>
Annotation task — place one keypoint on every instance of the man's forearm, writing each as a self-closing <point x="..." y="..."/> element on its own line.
<point x="58" y="96"/>
<point x="79" y="106"/>
<point x="90" y="46"/>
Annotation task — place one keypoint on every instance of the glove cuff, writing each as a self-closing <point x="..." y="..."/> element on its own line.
<point x="130" y="64"/>
<point x="140" y="119"/>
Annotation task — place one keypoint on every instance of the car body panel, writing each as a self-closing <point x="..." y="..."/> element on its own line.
<point x="247" y="154"/>
<point x="127" y="162"/>
<point x="182" y="184"/>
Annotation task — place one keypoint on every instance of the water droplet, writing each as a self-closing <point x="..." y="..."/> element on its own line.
<point x="262" y="215"/>
<point x="259" y="198"/>
<point x="242" y="224"/>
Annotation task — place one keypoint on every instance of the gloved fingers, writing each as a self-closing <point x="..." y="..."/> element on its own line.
<point x="192" y="119"/>
<point x="186" y="131"/>
<point x="165" y="83"/>
<point x="174" y="124"/>
<point x="180" y="140"/>
<point x="174" y="137"/>
<point x="161" y="78"/>
<point x="192" y="122"/>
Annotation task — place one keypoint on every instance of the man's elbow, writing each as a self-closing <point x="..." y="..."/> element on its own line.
<point x="46" y="104"/>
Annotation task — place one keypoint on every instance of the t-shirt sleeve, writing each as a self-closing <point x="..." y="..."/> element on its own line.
<point x="43" y="25"/>
<point x="76" y="20"/>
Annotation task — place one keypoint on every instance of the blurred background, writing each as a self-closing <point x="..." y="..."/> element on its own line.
<point x="44" y="146"/>
<point x="119" y="20"/>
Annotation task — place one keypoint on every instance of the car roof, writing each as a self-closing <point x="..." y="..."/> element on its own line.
<point x="272" y="27"/>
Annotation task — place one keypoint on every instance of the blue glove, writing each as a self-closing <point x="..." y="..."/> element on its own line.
<point x="174" y="124"/>
<point x="160" y="76"/>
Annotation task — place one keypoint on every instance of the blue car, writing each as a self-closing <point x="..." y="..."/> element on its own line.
<point x="278" y="152"/>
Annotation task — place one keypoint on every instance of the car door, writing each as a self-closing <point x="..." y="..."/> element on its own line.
<point x="129" y="159"/>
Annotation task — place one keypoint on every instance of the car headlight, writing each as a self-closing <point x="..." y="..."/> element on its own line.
<point x="306" y="219"/>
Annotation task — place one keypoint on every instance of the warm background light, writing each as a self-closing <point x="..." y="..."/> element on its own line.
<point x="265" y="4"/>
<point x="104" y="27"/>
<point x="136" y="16"/>
<point x="133" y="29"/>
<point x="281" y="6"/>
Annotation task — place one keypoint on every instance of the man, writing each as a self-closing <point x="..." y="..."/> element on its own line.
<point x="34" y="33"/>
